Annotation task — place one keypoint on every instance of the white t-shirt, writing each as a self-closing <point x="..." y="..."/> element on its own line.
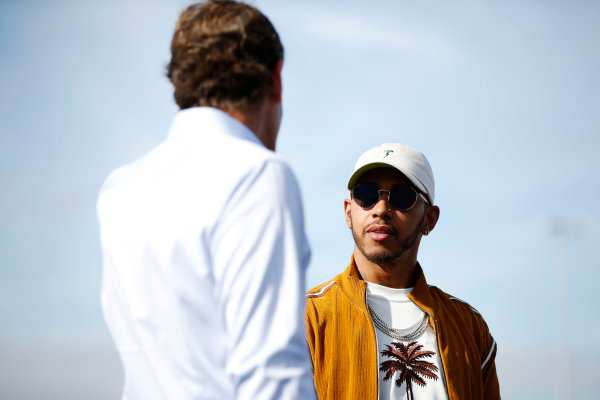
<point x="423" y="363"/>
<point x="204" y="267"/>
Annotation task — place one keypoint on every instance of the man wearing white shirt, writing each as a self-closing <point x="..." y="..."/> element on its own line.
<point x="203" y="238"/>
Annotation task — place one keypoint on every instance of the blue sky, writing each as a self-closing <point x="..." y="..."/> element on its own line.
<point x="502" y="97"/>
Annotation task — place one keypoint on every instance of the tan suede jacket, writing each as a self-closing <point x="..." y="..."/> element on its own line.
<point x="342" y="340"/>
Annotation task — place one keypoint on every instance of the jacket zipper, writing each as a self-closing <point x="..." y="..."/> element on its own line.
<point x="376" y="345"/>
<point x="437" y="344"/>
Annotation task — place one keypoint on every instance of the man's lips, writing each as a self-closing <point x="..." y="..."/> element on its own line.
<point x="379" y="232"/>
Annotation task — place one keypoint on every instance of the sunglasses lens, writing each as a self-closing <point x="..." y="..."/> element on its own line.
<point x="365" y="194"/>
<point x="403" y="197"/>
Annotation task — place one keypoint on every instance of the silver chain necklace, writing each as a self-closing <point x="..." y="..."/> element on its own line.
<point x="404" y="335"/>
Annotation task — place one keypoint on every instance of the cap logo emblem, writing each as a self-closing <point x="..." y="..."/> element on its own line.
<point x="387" y="153"/>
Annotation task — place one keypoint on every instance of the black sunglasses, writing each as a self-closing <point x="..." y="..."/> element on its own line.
<point x="401" y="197"/>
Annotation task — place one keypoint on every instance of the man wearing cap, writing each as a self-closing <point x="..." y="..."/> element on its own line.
<point x="203" y="238"/>
<point x="378" y="330"/>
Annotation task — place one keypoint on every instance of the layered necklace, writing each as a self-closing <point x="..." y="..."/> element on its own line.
<point x="404" y="335"/>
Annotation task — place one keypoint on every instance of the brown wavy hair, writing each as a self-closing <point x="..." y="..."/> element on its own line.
<point x="223" y="55"/>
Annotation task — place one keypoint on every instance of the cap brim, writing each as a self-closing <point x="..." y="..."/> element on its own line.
<point x="365" y="168"/>
<point x="359" y="172"/>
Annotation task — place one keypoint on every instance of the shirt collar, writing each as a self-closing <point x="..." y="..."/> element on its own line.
<point x="419" y="295"/>
<point x="196" y="121"/>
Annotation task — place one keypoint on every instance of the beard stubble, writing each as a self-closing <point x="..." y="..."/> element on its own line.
<point x="388" y="255"/>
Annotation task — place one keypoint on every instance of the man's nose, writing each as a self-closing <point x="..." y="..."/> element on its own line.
<point x="383" y="206"/>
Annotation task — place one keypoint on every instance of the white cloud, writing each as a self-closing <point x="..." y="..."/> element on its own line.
<point x="389" y="36"/>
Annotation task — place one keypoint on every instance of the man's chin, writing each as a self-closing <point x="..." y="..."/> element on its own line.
<point x="383" y="257"/>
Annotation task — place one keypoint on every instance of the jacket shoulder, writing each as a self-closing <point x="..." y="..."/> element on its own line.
<point x="461" y="312"/>
<point x="466" y="316"/>
<point x="449" y="300"/>
<point x="319" y="306"/>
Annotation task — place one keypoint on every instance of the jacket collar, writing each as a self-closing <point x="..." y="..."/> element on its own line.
<point x="355" y="287"/>
<point x="420" y="294"/>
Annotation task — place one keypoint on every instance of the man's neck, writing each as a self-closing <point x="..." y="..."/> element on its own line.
<point x="257" y="120"/>
<point x="399" y="274"/>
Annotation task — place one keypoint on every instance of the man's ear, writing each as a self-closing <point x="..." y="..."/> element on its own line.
<point x="276" y="88"/>
<point x="431" y="219"/>
<point x="347" y="205"/>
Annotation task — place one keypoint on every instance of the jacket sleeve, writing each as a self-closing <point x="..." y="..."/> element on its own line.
<point x="487" y="351"/>
<point x="310" y="332"/>
<point x="487" y="348"/>
<point x="491" y="387"/>
<point x="261" y="254"/>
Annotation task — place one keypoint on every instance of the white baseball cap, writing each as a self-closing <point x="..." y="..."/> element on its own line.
<point x="408" y="160"/>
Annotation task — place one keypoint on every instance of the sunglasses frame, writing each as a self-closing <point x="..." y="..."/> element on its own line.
<point x="389" y="192"/>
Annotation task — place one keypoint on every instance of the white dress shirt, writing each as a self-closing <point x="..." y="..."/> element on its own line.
<point x="204" y="267"/>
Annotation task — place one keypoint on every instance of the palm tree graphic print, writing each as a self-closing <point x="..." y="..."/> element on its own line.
<point x="409" y="361"/>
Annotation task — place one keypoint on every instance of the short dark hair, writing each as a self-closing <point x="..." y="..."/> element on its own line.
<point x="223" y="54"/>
